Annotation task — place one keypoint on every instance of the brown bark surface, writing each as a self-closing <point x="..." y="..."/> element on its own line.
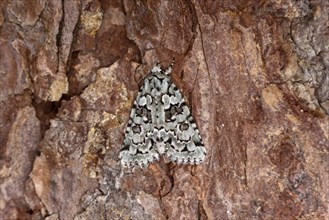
<point x="255" y="75"/>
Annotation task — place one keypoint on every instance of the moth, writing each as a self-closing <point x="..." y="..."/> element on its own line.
<point x="161" y="123"/>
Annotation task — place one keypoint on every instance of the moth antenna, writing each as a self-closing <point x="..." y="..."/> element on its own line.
<point x="169" y="69"/>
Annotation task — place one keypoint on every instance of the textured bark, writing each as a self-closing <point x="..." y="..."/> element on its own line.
<point x="254" y="73"/>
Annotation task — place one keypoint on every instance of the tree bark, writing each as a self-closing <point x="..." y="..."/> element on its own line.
<point x="255" y="75"/>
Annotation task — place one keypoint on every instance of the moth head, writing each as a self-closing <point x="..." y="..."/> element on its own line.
<point x="156" y="68"/>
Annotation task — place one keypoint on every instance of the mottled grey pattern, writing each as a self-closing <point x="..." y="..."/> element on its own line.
<point x="161" y="123"/>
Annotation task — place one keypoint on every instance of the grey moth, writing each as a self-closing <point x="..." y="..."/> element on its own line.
<point x="161" y="123"/>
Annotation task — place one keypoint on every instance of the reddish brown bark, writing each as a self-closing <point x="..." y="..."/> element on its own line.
<point x="254" y="73"/>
